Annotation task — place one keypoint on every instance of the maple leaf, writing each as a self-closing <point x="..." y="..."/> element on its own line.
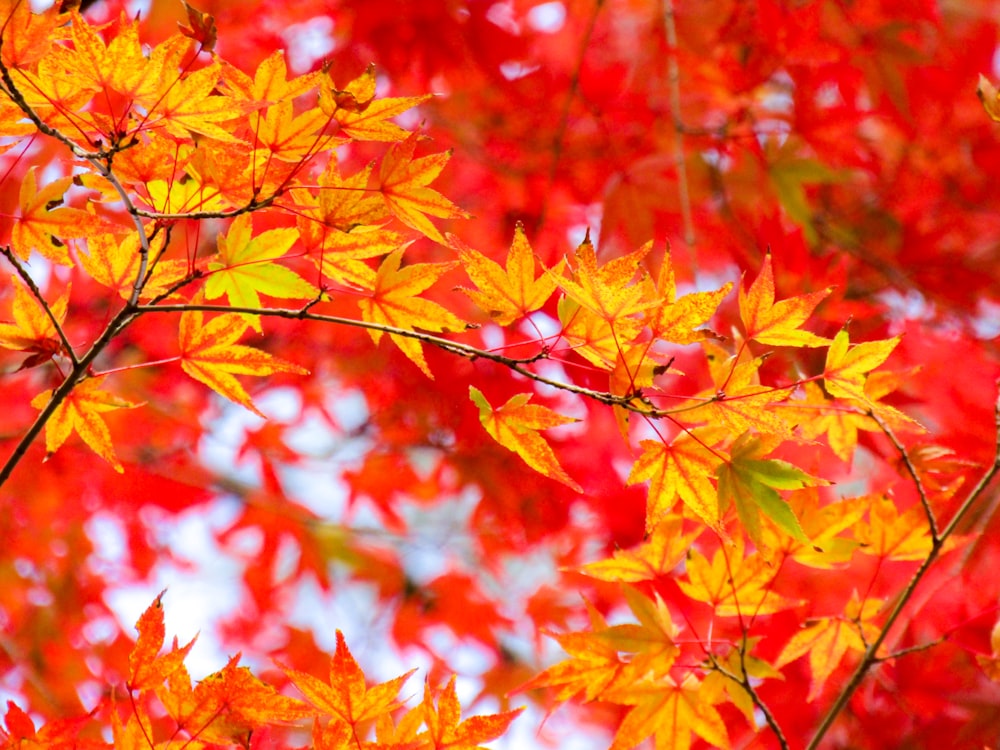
<point x="679" y="319"/>
<point x="778" y="323"/>
<point x="444" y="728"/>
<point x="847" y="367"/>
<point x="147" y="667"/>
<point x="346" y="696"/>
<point x="290" y="137"/>
<point x="669" y="711"/>
<point x="114" y="262"/>
<point x="989" y="96"/>
<point x="43" y="227"/>
<point x="210" y="354"/>
<point x="393" y="302"/>
<point x="828" y="640"/>
<point x="32" y="329"/>
<point x="80" y="411"/>
<point x="594" y="663"/>
<point x="651" y="643"/>
<point x="592" y="337"/>
<point x="823" y="526"/>
<point x="360" y="115"/>
<point x="743" y="664"/>
<point x="515" y="426"/>
<point x="657" y="556"/>
<point x="606" y="290"/>
<point x="750" y="483"/>
<point x="270" y="81"/>
<point x="187" y="105"/>
<point x="201" y="28"/>
<point x="894" y="535"/>
<point x="680" y="470"/>
<point x="403" y="182"/>
<point x="243" y="268"/>
<point x="506" y="294"/>
<point x="734" y="584"/>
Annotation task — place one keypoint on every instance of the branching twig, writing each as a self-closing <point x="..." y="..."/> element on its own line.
<point x="30" y="282"/>
<point x="870" y="659"/>
<point x="912" y="470"/>
<point x="743" y="680"/>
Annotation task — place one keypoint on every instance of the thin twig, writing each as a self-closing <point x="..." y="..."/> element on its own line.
<point x="869" y="659"/>
<point x="912" y="470"/>
<point x="680" y="162"/>
<point x="30" y="282"/>
<point x="743" y="680"/>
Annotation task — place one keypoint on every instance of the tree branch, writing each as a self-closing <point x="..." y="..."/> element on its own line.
<point x="912" y="470"/>
<point x="870" y="659"/>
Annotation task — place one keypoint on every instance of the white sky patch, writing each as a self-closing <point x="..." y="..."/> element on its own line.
<point x="309" y="42"/>
<point x="547" y="17"/>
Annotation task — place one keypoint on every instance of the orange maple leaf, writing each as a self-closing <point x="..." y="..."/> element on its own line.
<point x="669" y="711"/>
<point x="346" y="696"/>
<point x="680" y="470"/>
<point x="607" y="290"/>
<point x="360" y="114"/>
<point x="778" y="323"/>
<point x="147" y="667"/>
<point x="828" y="640"/>
<point x="657" y="556"/>
<point x="210" y="354"/>
<point x="894" y="535"/>
<point x="506" y="294"/>
<point x="403" y="181"/>
<point x="393" y="302"/>
<point x="114" y="262"/>
<point x="736" y="585"/>
<point x="32" y="329"/>
<point x="679" y="319"/>
<point x="42" y="226"/>
<point x="80" y="411"/>
<point x="444" y="728"/>
<point x="515" y="426"/>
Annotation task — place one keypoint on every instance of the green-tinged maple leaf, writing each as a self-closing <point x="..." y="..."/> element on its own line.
<point x="210" y="354"/>
<point x="346" y="696"/>
<point x="680" y="319"/>
<point x="669" y="712"/>
<point x="681" y="470"/>
<point x="847" y="367"/>
<point x="244" y="268"/>
<point x="360" y="114"/>
<point x="403" y="182"/>
<point x="515" y="426"/>
<point x="737" y="585"/>
<point x="751" y="482"/>
<point x="651" y="643"/>
<point x="445" y="728"/>
<point x="147" y="667"/>
<point x="393" y="301"/>
<point x="80" y="411"/>
<point x="32" y="329"/>
<point x="824" y="525"/>
<point x="656" y="556"/>
<point x="607" y="290"/>
<point x="506" y="294"/>
<point x="829" y="639"/>
<point x="44" y="225"/>
<point x="778" y="323"/>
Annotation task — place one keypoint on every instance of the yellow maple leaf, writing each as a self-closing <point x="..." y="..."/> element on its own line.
<point x="80" y="411"/>
<point x="847" y="368"/>
<point x="515" y="426"/>
<point x="737" y="585"/>
<point x="607" y="290"/>
<point x="393" y="302"/>
<point x="114" y="261"/>
<point x="444" y="728"/>
<point x="662" y="551"/>
<point x="778" y="323"/>
<point x="506" y="294"/>
<point x="244" y="269"/>
<point x="679" y="319"/>
<point x="210" y="354"/>
<point x="403" y="182"/>
<point x="360" y="114"/>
